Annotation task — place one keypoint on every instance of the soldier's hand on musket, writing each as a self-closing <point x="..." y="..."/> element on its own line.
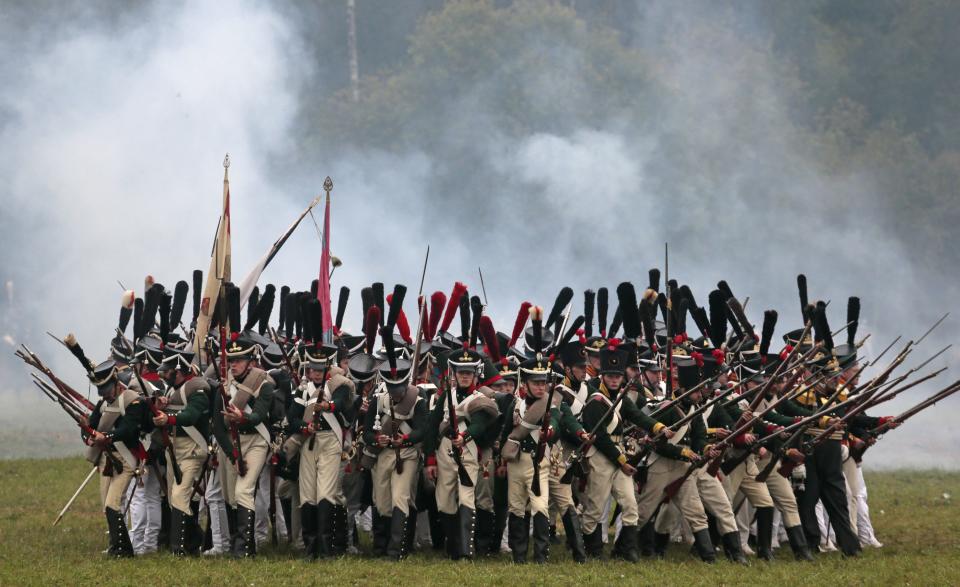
<point x="501" y="470"/>
<point x="761" y="452"/>
<point x="232" y="414"/>
<point x="712" y="453"/>
<point x="794" y="455"/>
<point x="749" y="439"/>
<point x="721" y="433"/>
<point x="323" y="406"/>
<point x="162" y="402"/>
<point x="310" y="428"/>
<point x="458" y="441"/>
<point x="383" y="440"/>
<point x="432" y="472"/>
<point x="160" y="419"/>
<point x="628" y="469"/>
<point x="99" y="439"/>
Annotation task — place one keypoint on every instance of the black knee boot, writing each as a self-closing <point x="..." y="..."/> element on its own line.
<point x="246" y="543"/>
<point x="626" y="545"/>
<point x="518" y="537"/>
<point x="451" y="529"/>
<point x="574" y="532"/>
<point x="798" y="543"/>
<point x="541" y="538"/>
<point x="286" y="506"/>
<point x="594" y="542"/>
<point x="231" y="526"/>
<point x="338" y="530"/>
<point x="322" y="546"/>
<point x="645" y="540"/>
<point x="178" y="532"/>
<point x="466" y="523"/>
<point x="119" y="538"/>
<point x="732" y="548"/>
<point x="308" y="530"/>
<point x="397" y="545"/>
<point x="661" y="542"/>
<point x="703" y="546"/>
<point x="765" y="533"/>
<point x="484" y="532"/>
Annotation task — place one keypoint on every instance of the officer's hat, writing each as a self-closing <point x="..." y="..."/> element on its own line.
<point x="353" y="343"/>
<point x="149" y="352"/>
<point x="688" y="372"/>
<point x="846" y="355"/>
<point x="573" y="354"/>
<point x="531" y="346"/>
<point x="121" y="349"/>
<point x="319" y="356"/>
<point x="464" y="359"/>
<point x="535" y="369"/>
<point x="395" y="374"/>
<point x="241" y="347"/>
<point x="362" y="367"/>
<point x="179" y="359"/>
<point x="272" y="356"/>
<point x="104" y="375"/>
<point x="612" y="361"/>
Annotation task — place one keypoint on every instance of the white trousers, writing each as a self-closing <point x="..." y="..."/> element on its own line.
<point x="145" y="513"/>
<point x="219" y="528"/>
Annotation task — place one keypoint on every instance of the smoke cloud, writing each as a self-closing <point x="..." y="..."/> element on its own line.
<point x="112" y="135"/>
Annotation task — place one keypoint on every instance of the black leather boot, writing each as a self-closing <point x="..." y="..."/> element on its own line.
<point x="574" y="532"/>
<point x="286" y="506"/>
<point x="118" y="534"/>
<point x="308" y="530"/>
<point x="798" y="543"/>
<point x="594" y="543"/>
<point x="338" y="530"/>
<point x="323" y="545"/>
<point x="501" y="515"/>
<point x="381" y="533"/>
<point x="451" y="529"/>
<point x="626" y="545"/>
<point x="484" y="533"/>
<point x="246" y="544"/>
<point x="411" y="538"/>
<point x="178" y="532"/>
<point x="704" y="546"/>
<point x="231" y="526"/>
<point x="194" y="541"/>
<point x="163" y="536"/>
<point x="765" y="533"/>
<point x="397" y="545"/>
<point x="467" y="521"/>
<point x="660" y="544"/>
<point x="518" y="537"/>
<point x="541" y="538"/>
<point x="732" y="548"/>
<point x="645" y="540"/>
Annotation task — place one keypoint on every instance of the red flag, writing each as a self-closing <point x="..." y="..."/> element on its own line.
<point x="323" y="291"/>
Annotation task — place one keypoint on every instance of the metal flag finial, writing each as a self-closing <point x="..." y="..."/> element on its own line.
<point x="226" y="161"/>
<point x="328" y="185"/>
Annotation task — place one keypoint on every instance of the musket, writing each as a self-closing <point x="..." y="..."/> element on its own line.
<point x="31" y="358"/>
<point x="272" y="509"/>
<point x="542" y="441"/>
<point x="422" y="308"/>
<point x="669" y="317"/>
<point x="456" y="453"/>
<point x="65" y="400"/>
<point x="164" y="430"/>
<point x="574" y="462"/>
<point x="74" y="497"/>
<point x="236" y="452"/>
<point x="483" y="288"/>
<point x="316" y="412"/>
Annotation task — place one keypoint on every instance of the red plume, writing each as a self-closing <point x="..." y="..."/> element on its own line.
<point x="452" y="305"/>
<point x="582" y="335"/>
<point x="719" y="355"/>
<point x="489" y="336"/>
<point x="371" y="325"/>
<point x="698" y="358"/>
<point x="403" y="327"/>
<point x="613" y="343"/>
<point x="520" y="322"/>
<point x="437" y="301"/>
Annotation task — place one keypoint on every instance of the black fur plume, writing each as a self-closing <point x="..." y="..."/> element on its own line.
<point x="603" y="305"/>
<point x="686" y="292"/>
<point x="727" y="292"/>
<point x="314" y="288"/>
<point x="615" y="323"/>
<point x="233" y="307"/>
<point x="197" y="294"/>
<point x="284" y="293"/>
<point x="150" y="305"/>
<point x="589" y="301"/>
<point x="138" y="319"/>
<point x="180" y="293"/>
<point x="266" y="308"/>
<point x="563" y="298"/>
<point x="342" y="305"/>
<point x="629" y="311"/>
<point x="126" y="310"/>
<point x="821" y="327"/>
<point x="465" y="317"/>
<point x="766" y="333"/>
<point x="290" y="314"/>
<point x="680" y="316"/>
<point x="802" y="289"/>
<point x="648" y="315"/>
<point x="718" y="319"/>
<point x="699" y="316"/>
<point x="297" y="306"/>
<point x="164" y="309"/>
<point x="316" y="320"/>
<point x="853" y="318"/>
<point x="578" y="323"/>
<point x="379" y="300"/>
<point x="476" y="307"/>
<point x="366" y="300"/>
<point x="396" y="304"/>
<point x="654" y="279"/>
<point x="664" y="311"/>
<point x="252" y="302"/>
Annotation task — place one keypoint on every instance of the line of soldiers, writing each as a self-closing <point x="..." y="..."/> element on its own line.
<point x="458" y="441"/>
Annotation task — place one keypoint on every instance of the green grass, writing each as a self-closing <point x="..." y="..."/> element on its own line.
<point x="918" y="525"/>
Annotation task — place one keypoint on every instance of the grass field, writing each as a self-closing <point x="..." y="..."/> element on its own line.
<point x="913" y="512"/>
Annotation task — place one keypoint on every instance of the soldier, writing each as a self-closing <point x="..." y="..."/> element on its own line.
<point x="319" y="415"/>
<point x="609" y="472"/>
<point x="148" y="507"/>
<point x="396" y="423"/>
<point x="114" y="446"/>
<point x="251" y="398"/>
<point x="461" y="447"/>
<point x="186" y="411"/>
